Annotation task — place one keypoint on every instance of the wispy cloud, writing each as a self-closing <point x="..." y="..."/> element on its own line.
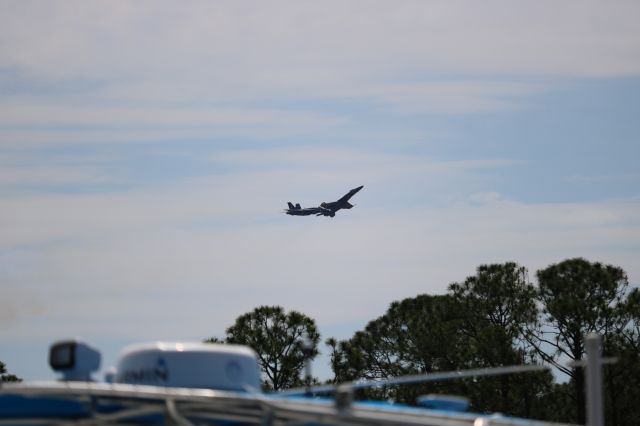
<point x="56" y="116"/>
<point x="267" y="46"/>
<point x="319" y="266"/>
<point x="40" y="124"/>
<point x="257" y="182"/>
<point x="597" y="179"/>
<point x="204" y="55"/>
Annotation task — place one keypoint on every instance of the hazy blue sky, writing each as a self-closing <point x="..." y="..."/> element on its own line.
<point x="147" y="150"/>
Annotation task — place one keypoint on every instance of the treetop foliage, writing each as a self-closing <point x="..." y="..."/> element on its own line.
<point x="5" y="377"/>
<point x="580" y="297"/>
<point x="496" y="317"/>
<point x="585" y="296"/>
<point x="279" y="339"/>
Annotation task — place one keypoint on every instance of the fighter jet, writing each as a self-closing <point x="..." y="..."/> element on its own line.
<point x="299" y="211"/>
<point x="325" y="209"/>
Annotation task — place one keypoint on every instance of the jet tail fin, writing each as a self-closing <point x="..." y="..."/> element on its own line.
<point x="291" y="207"/>
<point x="298" y="206"/>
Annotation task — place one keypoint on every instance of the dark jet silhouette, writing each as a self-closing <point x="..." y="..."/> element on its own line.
<point x="299" y="211"/>
<point x="325" y="209"/>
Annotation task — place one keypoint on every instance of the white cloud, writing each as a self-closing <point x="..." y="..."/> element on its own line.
<point x="599" y="179"/>
<point x="100" y="72"/>
<point x="149" y="283"/>
<point x="447" y="97"/>
<point x="49" y="176"/>
<point x="344" y="159"/>
<point x="32" y="114"/>
<point x="37" y="123"/>
<point x="190" y="257"/>
<point x="223" y="52"/>
<point x="262" y="181"/>
<point x="267" y="44"/>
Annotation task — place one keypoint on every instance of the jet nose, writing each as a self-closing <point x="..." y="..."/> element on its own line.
<point x="359" y="188"/>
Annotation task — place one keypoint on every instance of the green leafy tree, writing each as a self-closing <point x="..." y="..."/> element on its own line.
<point x="622" y="379"/>
<point x="5" y="377"/>
<point x="578" y="297"/>
<point x="499" y="303"/>
<point x="278" y="337"/>
<point x="499" y="296"/>
<point x="415" y="335"/>
<point x="480" y="323"/>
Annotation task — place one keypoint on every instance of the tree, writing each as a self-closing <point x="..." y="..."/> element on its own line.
<point x="5" y="377"/>
<point x="578" y="297"/>
<point x="622" y="379"/>
<point x="415" y="335"/>
<point x="278" y="338"/>
<point x="499" y="295"/>
<point x="500" y="307"/>
<point x="214" y="339"/>
<point x="480" y="323"/>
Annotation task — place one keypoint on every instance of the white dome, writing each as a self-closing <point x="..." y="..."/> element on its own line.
<point x="190" y="365"/>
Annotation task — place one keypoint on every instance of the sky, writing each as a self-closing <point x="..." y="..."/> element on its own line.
<point x="148" y="149"/>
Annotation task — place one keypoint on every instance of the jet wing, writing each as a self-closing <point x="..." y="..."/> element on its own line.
<point x="350" y="194"/>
